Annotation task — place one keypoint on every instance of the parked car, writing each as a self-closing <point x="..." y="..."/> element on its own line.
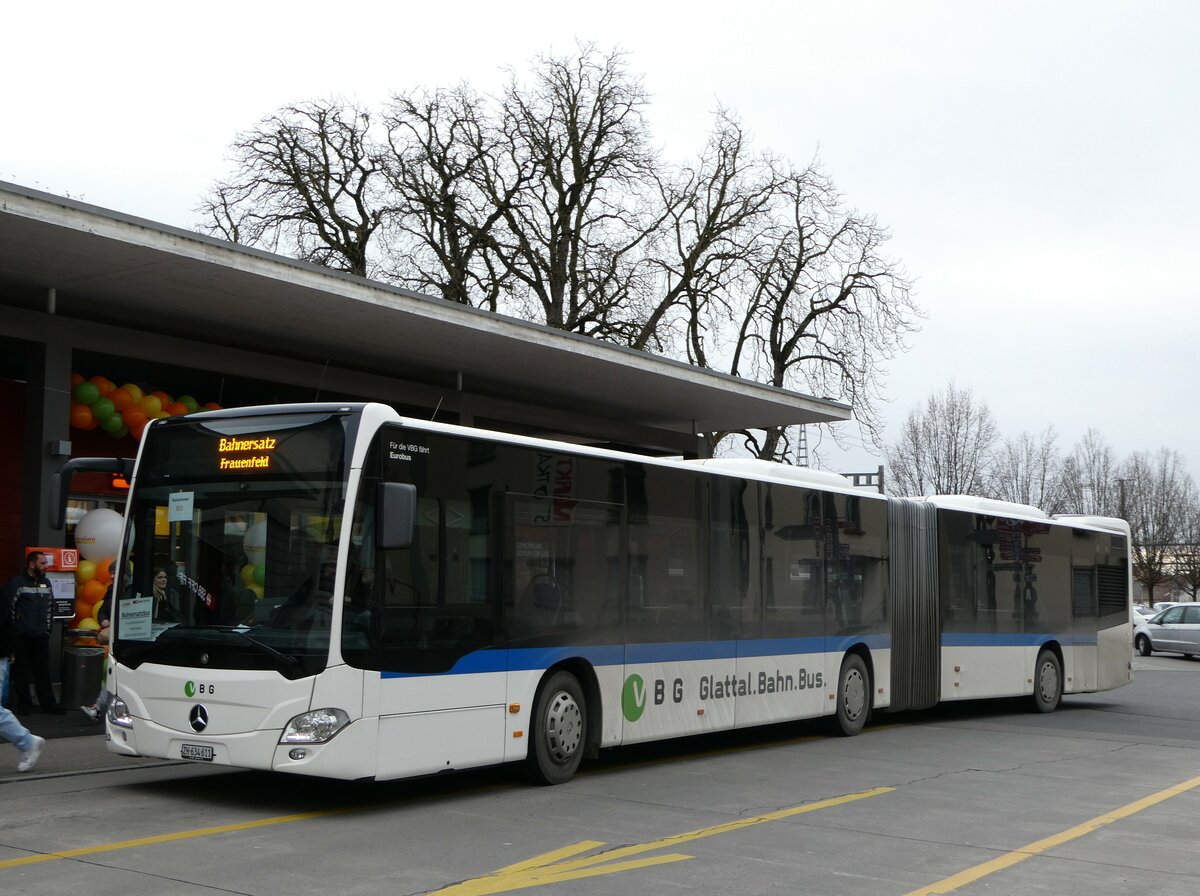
<point x="1144" y="611"/>
<point x="1175" y="629"/>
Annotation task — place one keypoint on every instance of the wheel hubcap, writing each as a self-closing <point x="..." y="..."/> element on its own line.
<point x="854" y="695"/>
<point x="1048" y="682"/>
<point x="564" y="727"/>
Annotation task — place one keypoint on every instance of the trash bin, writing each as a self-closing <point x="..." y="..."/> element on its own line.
<point x="82" y="670"/>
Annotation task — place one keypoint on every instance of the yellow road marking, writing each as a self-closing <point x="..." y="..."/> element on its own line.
<point x="165" y="838"/>
<point x="557" y="866"/>
<point x="971" y="875"/>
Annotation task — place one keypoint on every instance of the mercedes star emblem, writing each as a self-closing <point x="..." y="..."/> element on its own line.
<point x="198" y="717"/>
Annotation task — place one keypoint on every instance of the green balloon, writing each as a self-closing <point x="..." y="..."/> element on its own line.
<point x="112" y="424"/>
<point x="190" y="403"/>
<point x="122" y="432"/>
<point x="260" y="575"/>
<point x="86" y="392"/>
<point x="103" y="408"/>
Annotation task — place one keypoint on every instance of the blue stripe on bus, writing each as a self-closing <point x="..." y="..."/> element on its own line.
<point x="528" y="658"/>
<point x="978" y="639"/>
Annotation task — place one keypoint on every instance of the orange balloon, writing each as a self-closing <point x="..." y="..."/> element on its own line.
<point x="91" y="592"/>
<point x="212" y="406"/>
<point x="120" y="398"/>
<point x="76" y="379"/>
<point x="134" y="391"/>
<point x="134" y="416"/>
<point x="82" y="417"/>
<point x="104" y="384"/>
<point x="176" y="409"/>
<point x="162" y="396"/>
<point x="151" y="404"/>
<point x="137" y="429"/>
<point x="102" y="574"/>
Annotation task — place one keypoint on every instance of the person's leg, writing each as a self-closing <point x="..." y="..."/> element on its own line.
<point x="41" y="676"/>
<point x="11" y="728"/>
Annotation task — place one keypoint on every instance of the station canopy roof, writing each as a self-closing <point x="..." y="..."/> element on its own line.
<point x="112" y="268"/>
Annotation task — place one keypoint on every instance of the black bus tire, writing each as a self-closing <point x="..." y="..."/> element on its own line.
<point x="1047" y="682"/>
<point x="559" y="730"/>
<point x="853" y="695"/>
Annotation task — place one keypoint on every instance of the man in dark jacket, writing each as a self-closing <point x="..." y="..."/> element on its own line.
<point x="30" y="595"/>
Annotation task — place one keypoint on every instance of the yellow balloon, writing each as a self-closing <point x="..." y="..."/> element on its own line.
<point x="134" y="391"/>
<point x="247" y="574"/>
<point x="89" y="624"/>
<point x="96" y="610"/>
<point x="257" y="589"/>
<point x="85" y="572"/>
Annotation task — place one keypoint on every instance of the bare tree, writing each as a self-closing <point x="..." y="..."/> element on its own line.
<point x="1159" y="496"/>
<point x="944" y="448"/>
<point x="1187" y="553"/>
<point x="578" y="144"/>
<point x="450" y="188"/>
<point x="550" y="202"/>
<point x="305" y="182"/>
<point x="714" y="215"/>
<point x="1029" y="470"/>
<point x="1090" y="478"/>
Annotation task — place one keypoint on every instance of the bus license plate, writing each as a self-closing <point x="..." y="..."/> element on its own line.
<point x="196" y="751"/>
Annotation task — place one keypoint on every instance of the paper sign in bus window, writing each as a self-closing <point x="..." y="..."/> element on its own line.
<point x="182" y="506"/>
<point x="133" y="618"/>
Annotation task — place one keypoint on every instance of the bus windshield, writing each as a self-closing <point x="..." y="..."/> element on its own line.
<point x="231" y="544"/>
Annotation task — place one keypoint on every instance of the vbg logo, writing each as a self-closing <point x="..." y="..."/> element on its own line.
<point x="633" y="698"/>
<point x="189" y="689"/>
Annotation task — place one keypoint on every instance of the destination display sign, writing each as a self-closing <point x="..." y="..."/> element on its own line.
<point x="275" y="446"/>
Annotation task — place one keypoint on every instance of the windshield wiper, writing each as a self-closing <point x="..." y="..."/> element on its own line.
<point x="290" y="661"/>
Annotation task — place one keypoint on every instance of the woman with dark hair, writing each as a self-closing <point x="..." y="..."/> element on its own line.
<point x="165" y="604"/>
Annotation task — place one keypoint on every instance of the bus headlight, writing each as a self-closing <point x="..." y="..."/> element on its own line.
<point x="315" y="727"/>
<point x="118" y="713"/>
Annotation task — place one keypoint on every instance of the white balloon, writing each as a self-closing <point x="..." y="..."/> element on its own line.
<point x="254" y="543"/>
<point x="98" y="534"/>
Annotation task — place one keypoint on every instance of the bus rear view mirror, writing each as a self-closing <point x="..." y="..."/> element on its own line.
<point x="396" y="512"/>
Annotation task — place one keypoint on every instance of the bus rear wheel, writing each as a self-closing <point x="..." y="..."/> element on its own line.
<point x="1047" y="682"/>
<point x="559" y="730"/>
<point x="853" y="695"/>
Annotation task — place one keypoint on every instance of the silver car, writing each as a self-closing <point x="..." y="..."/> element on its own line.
<point x="1174" y="630"/>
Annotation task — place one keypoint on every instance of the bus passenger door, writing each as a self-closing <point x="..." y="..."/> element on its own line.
<point x="440" y="694"/>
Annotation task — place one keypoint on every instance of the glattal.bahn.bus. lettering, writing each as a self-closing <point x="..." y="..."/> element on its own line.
<point x="713" y="688"/>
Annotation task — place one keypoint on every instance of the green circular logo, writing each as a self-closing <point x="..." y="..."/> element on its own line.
<point x="633" y="698"/>
<point x="189" y="688"/>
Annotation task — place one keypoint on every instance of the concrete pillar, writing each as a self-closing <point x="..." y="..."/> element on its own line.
<point x="48" y="424"/>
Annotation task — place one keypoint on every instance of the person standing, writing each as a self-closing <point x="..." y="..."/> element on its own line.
<point x="11" y="728"/>
<point x="97" y="709"/>
<point x="30" y="594"/>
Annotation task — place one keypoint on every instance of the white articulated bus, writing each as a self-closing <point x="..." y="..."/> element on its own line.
<point x="353" y="594"/>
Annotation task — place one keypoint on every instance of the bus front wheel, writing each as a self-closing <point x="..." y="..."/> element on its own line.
<point x="1047" y="682"/>
<point x="559" y="727"/>
<point x="853" y="695"/>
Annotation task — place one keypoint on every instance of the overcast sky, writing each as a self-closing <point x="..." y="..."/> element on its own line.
<point x="1036" y="163"/>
